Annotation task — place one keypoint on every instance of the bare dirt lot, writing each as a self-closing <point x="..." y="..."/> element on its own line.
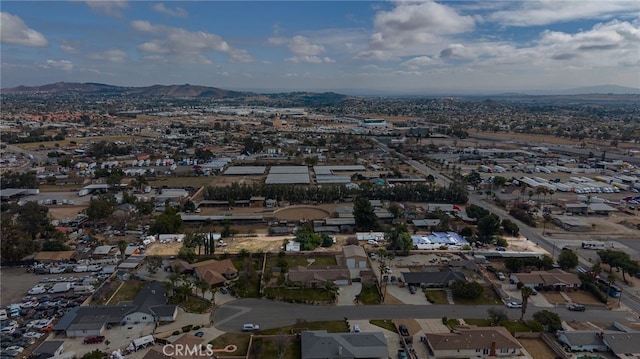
<point x="580" y="297"/>
<point x="537" y="348"/>
<point x="61" y="212"/>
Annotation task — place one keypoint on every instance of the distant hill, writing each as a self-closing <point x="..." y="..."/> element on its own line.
<point x="171" y="91"/>
<point x="599" y="89"/>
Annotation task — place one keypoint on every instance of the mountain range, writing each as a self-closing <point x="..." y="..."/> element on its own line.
<point x="196" y="91"/>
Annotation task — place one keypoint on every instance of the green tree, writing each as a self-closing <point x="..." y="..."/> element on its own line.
<point x="33" y="219"/>
<point x="497" y="315"/>
<point x="364" y="214"/>
<point x="101" y="207"/>
<point x="550" y="320"/>
<point x="510" y="228"/>
<point x="473" y="179"/>
<point x="187" y="254"/>
<point x="154" y="263"/>
<point x="167" y="222"/>
<point x="54" y="245"/>
<point x="488" y="226"/>
<point x="122" y="247"/>
<point x="568" y="260"/>
<point x="468" y="290"/>
<point x="526" y="293"/>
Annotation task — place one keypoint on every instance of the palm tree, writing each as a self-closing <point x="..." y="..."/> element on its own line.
<point x="202" y="285"/>
<point x="173" y="279"/>
<point x="122" y="246"/>
<point x="526" y="293"/>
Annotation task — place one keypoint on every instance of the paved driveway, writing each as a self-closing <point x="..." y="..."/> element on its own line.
<point x="534" y="300"/>
<point x="403" y="295"/>
<point x="347" y="293"/>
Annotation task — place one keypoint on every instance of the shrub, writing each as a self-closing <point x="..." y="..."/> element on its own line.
<point x="186" y="328"/>
<point x="177" y="332"/>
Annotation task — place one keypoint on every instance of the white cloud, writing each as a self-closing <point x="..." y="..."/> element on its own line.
<point x="418" y="62"/>
<point x="310" y="59"/>
<point x="110" y="55"/>
<point x="546" y="12"/>
<point x="14" y="31"/>
<point x="186" y="45"/>
<point x="376" y="55"/>
<point x="411" y="24"/>
<point x="64" y="65"/>
<point x="112" y="8"/>
<point x="303" y="49"/>
<point x="177" y="12"/>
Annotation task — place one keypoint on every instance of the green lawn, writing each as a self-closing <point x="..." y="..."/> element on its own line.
<point x="384" y="324"/>
<point x="436" y="296"/>
<point x="452" y="323"/>
<point x="127" y="292"/>
<point x="239" y="340"/>
<point x="300" y="295"/>
<point x="488" y="297"/>
<point x="369" y="295"/>
<point x="511" y="325"/>
<point x="478" y="322"/>
<point x="333" y="326"/>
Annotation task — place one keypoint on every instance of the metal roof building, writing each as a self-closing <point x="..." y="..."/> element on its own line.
<point x="245" y="170"/>
<point x="288" y="175"/>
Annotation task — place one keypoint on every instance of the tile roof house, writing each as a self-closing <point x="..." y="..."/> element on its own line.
<point x="471" y="342"/>
<point x="323" y="345"/>
<point x="556" y="278"/>
<point x="215" y="272"/>
<point x="319" y="275"/>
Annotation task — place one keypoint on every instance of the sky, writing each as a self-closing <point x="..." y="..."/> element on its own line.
<point x="376" y="46"/>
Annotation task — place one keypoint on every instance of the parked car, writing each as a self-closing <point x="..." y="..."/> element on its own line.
<point x="501" y="276"/>
<point x="93" y="339"/>
<point x="402" y="354"/>
<point x="412" y="289"/>
<point x="250" y="327"/>
<point x="403" y="330"/>
<point x="514" y="305"/>
<point x="356" y="328"/>
<point x="577" y="308"/>
<point x="199" y="334"/>
<point x="224" y="290"/>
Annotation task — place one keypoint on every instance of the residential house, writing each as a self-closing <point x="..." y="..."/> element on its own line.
<point x="322" y="345"/>
<point x="427" y="279"/>
<point x="355" y="257"/>
<point x="555" y="278"/>
<point x="319" y="275"/>
<point x="215" y="272"/>
<point x="473" y="342"/>
<point x="48" y="349"/>
<point x="623" y="345"/>
<point x="582" y="340"/>
<point x="149" y="305"/>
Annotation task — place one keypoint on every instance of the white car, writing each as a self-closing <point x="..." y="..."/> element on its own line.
<point x="250" y="327"/>
<point x="34" y="335"/>
<point x="37" y="290"/>
<point x="514" y="305"/>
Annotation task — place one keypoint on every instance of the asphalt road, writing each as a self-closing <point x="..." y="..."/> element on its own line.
<point x="269" y="314"/>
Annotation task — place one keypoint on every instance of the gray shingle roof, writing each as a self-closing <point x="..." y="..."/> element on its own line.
<point x="323" y="345"/>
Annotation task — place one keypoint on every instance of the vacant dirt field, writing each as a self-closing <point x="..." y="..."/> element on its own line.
<point x="537" y="348"/>
<point x="301" y="213"/>
<point x="60" y="212"/>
